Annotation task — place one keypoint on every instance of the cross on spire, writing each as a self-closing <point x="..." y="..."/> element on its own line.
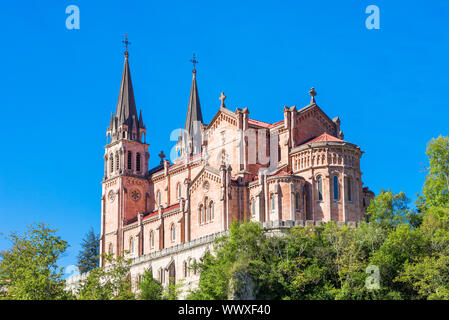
<point x="222" y="98"/>
<point x="162" y="156"/>
<point x="312" y="93"/>
<point x="126" y="42"/>
<point x="194" y="61"/>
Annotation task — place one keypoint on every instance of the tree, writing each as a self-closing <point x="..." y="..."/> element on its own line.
<point x="429" y="277"/>
<point x="88" y="257"/>
<point x="150" y="288"/>
<point x="244" y="251"/>
<point x="404" y="245"/>
<point x="29" y="269"/>
<point x="436" y="185"/>
<point x="111" y="282"/>
<point x="390" y="209"/>
<point x="173" y="290"/>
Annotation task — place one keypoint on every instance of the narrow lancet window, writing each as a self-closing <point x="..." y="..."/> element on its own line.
<point x="348" y="186"/>
<point x="138" y="162"/>
<point x="320" y="188"/>
<point x="336" y="188"/>
<point x="130" y="155"/>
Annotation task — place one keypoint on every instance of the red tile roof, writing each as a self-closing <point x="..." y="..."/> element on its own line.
<point x="153" y="213"/>
<point x="324" y="137"/>
<point x="263" y="124"/>
<point x="282" y="173"/>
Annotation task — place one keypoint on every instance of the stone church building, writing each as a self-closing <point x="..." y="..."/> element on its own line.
<point x="295" y="171"/>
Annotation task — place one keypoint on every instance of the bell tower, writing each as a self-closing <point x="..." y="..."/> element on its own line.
<point x="125" y="167"/>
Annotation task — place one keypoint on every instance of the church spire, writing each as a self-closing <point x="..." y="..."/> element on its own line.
<point x="194" y="110"/>
<point x="126" y="123"/>
<point x="126" y="105"/>
<point x="192" y="136"/>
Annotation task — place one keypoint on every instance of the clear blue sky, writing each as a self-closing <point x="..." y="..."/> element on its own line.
<point x="58" y="87"/>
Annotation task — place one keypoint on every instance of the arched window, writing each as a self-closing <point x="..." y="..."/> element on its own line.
<point x="273" y="203"/>
<point x="138" y="162"/>
<point x="117" y="161"/>
<point x="208" y="213"/>
<point x="131" y="244"/>
<point x="179" y="190"/>
<point x="111" y="250"/>
<point x="348" y="188"/>
<point x="336" y="188"/>
<point x="297" y="199"/>
<point x="130" y="159"/>
<point x="186" y="269"/>
<point x="111" y="162"/>
<point x="253" y="207"/>
<point x="161" y="275"/>
<point x="152" y="239"/>
<point x="194" y="266"/>
<point x="320" y="188"/>
<point x="201" y="213"/>
<point x="212" y="213"/>
<point x="173" y="232"/>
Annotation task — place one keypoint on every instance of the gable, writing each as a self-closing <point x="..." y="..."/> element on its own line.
<point x="206" y="174"/>
<point x="312" y="122"/>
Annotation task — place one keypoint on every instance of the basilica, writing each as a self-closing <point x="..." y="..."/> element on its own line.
<point x="296" y="171"/>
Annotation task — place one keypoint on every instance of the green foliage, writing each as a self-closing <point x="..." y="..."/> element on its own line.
<point x="88" y="257"/>
<point x="436" y="185"/>
<point x="150" y="288"/>
<point x="389" y="209"/>
<point x="29" y="270"/>
<point x="173" y="290"/>
<point x="429" y="277"/>
<point x="236" y="253"/>
<point x="111" y="282"/>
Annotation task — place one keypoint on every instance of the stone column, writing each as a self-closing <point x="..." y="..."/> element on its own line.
<point x="292" y="201"/>
<point x="343" y="194"/>
<point x="293" y="126"/>
<point x="223" y="197"/>
<point x="102" y="232"/>
<point x="329" y="195"/>
<point x="105" y="166"/>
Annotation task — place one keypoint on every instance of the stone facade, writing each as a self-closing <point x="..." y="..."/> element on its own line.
<point x="233" y="168"/>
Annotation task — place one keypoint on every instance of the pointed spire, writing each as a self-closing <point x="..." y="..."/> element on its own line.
<point x="111" y="123"/>
<point x="126" y="105"/>
<point x="141" y="125"/>
<point x="126" y="123"/>
<point x="194" y="110"/>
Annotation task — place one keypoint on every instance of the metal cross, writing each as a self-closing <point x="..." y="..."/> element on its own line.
<point x="194" y="61"/>
<point x="126" y="42"/>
